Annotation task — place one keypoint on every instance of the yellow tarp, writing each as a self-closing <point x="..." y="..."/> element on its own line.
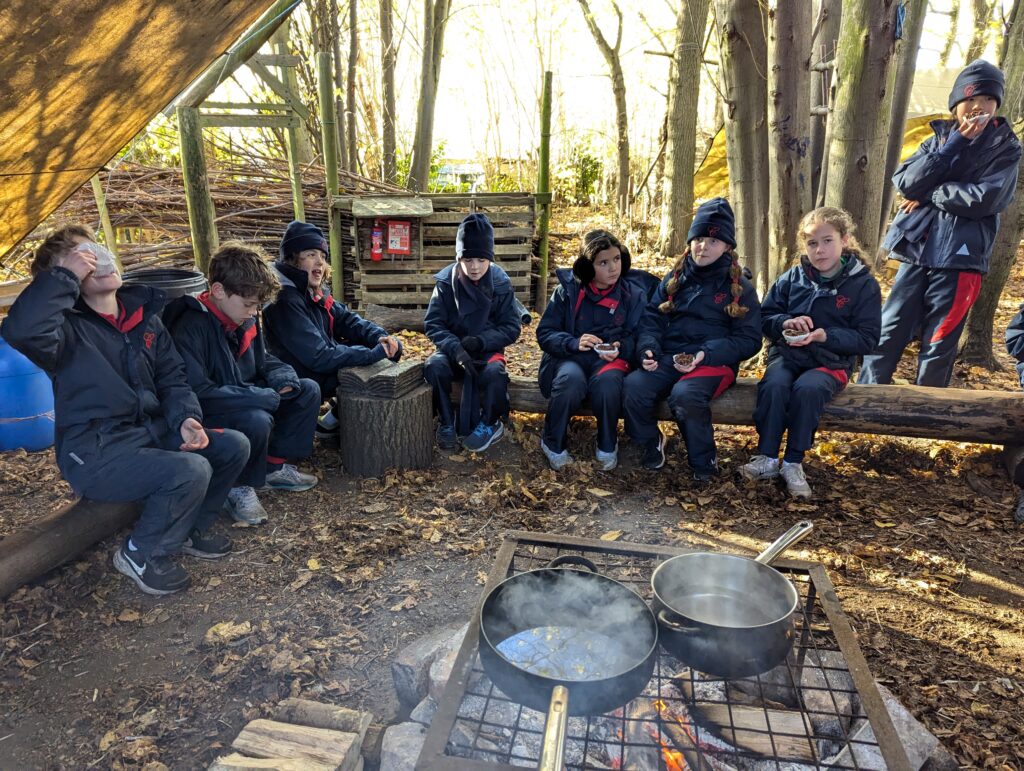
<point x="712" y="178"/>
<point x="80" y="78"/>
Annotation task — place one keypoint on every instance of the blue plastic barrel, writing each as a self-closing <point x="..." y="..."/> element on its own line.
<point x="26" y="403"/>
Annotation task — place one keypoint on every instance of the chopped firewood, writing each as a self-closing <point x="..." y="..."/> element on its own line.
<point x="271" y="739"/>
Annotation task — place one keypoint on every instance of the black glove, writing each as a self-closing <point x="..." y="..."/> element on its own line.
<point x="472" y="344"/>
<point x="465" y="361"/>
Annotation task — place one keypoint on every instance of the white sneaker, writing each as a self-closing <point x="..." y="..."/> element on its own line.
<point x="760" y="467"/>
<point x="244" y="506"/>
<point x="557" y="460"/>
<point x="796" y="482"/>
<point x="291" y="479"/>
<point x="607" y="461"/>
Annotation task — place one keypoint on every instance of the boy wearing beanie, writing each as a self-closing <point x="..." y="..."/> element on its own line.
<point x="471" y="318"/>
<point x="954" y="188"/>
<point x="310" y="330"/>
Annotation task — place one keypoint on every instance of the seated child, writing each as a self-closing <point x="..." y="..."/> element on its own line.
<point x="128" y="427"/>
<point x="309" y="329"/>
<point x="238" y="383"/>
<point x="471" y="318"/>
<point x="595" y="303"/>
<point x="703" y="321"/>
<point x="818" y="317"/>
<point x="1015" y="347"/>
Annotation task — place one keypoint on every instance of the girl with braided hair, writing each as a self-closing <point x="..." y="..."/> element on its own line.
<point x="703" y="320"/>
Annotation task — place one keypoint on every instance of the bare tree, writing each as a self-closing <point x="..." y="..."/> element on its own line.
<point x="388" y="57"/>
<point x="435" y="19"/>
<point x="350" y="99"/>
<point x="983" y="10"/>
<point x="954" y="22"/>
<point x="681" y="125"/>
<point x="611" y="56"/>
<point x="744" y="62"/>
<point x="823" y="45"/>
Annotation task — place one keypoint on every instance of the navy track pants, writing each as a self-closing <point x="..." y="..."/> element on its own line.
<point x="491" y="389"/>
<point x="600" y="387"/>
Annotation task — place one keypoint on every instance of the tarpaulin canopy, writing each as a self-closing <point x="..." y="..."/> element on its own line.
<point x="80" y="78"/>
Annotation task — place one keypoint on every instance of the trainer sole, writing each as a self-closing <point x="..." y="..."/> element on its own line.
<point x="122" y="566"/>
<point x="753" y="476"/>
<point x="496" y="436"/>
<point x="289" y="488"/>
<point x="204" y="555"/>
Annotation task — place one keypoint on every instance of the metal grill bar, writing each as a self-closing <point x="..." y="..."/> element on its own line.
<point x="831" y="697"/>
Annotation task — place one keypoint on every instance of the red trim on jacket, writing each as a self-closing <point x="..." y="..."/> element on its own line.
<point x="123" y="322"/>
<point x="726" y="373"/>
<point x="615" y="365"/>
<point x="327" y="301"/>
<point x="968" y="287"/>
<point x="497" y="357"/>
<point x="248" y="333"/>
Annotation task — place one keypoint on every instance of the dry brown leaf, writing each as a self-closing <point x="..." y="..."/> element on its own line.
<point x="107" y="741"/>
<point x="226" y="631"/>
<point x="612" y="535"/>
<point x="881" y="523"/>
<point x="301" y="581"/>
<point x="128" y="616"/>
<point x="313" y="563"/>
<point x="406" y="604"/>
<point x="597" y="491"/>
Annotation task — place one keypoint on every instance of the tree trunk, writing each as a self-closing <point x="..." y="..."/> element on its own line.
<point x="789" y="195"/>
<point x="906" y="65"/>
<point x="976" y="346"/>
<point x="954" y="23"/>
<point x="339" y="86"/>
<point x="857" y="142"/>
<point x="388" y="57"/>
<point x="304" y="143"/>
<point x="435" y="18"/>
<point x="744" y="61"/>
<point x="823" y="51"/>
<point x="350" y="100"/>
<point x="611" y="57"/>
<point x="377" y="434"/>
<point x="681" y="122"/>
<point x="983" y="10"/>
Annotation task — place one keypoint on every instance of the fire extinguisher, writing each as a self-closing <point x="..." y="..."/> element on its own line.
<point x="377" y="242"/>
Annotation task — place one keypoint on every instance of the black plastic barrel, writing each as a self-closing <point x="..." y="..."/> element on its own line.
<point x="175" y="282"/>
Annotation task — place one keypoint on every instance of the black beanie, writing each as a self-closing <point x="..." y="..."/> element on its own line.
<point x="978" y="77"/>
<point x="300" y="236"/>
<point x="714" y="218"/>
<point x="475" y="238"/>
<point x="583" y="267"/>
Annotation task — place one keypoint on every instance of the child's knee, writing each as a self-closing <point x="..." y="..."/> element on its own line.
<point x="230" y="448"/>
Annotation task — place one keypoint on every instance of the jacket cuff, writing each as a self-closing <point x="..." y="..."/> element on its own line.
<point x="954" y="143"/>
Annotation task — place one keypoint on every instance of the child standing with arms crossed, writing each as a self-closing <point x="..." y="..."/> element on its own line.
<point x="818" y="317"/>
<point x="703" y="320"/>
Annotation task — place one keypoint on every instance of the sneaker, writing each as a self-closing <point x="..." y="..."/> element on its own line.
<point x="484" y="436"/>
<point x="157" y="575"/>
<point x="291" y="479"/>
<point x="796" y="482"/>
<point x="760" y="467"/>
<point x="244" y="506"/>
<point x="445" y="436"/>
<point x="705" y="476"/>
<point x="1018" y="513"/>
<point x="607" y="461"/>
<point x="654" y="453"/>
<point x="327" y="425"/>
<point x="557" y="460"/>
<point x="211" y="546"/>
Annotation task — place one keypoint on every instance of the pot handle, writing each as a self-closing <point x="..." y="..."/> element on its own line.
<point x="553" y="748"/>
<point x="798" y="532"/>
<point x="572" y="559"/>
<point x="663" y="618"/>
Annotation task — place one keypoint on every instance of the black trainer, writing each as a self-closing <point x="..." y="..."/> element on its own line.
<point x="211" y="546"/>
<point x="654" y="453"/>
<point x="704" y="476"/>
<point x="156" y="575"/>
<point x="445" y="436"/>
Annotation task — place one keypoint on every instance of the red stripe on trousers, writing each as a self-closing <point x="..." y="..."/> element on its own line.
<point x="726" y="373"/>
<point x="275" y="461"/>
<point x="838" y="374"/>
<point x="616" y="365"/>
<point x="497" y="357"/>
<point x="968" y="286"/>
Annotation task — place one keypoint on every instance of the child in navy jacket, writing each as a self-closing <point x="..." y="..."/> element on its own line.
<point x="703" y="321"/>
<point x="310" y="330"/>
<point x="128" y="427"/>
<point x="471" y="318"/>
<point x="818" y="317"/>
<point x="238" y="383"/>
<point x="1015" y="347"/>
<point x="595" y="304"/>
<point x="954" y="188"/>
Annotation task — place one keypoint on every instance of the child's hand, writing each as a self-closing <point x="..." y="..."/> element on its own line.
<point x="649" y="363"/>
<point x="587" y="342"/>
<point x="80" y="262"/>
<point x="391" y="346"/>
<point x="972" y="125"/>
<point x="908" y="206"/>
<point x="687" y="368"/>
<point x="610" y="355"/>
<point x="801" y="324"/>
<point x="817" y="336"/>
<point x="194" y="435"/>
<point x="285" y="390"/>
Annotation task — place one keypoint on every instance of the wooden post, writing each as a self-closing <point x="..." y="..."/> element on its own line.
<point x="328" y="123"/>
<point x="109" y="234"/>
<point x="201" y="214"/>
<point x="544" y="193"/>
<point x="291" y="137"/>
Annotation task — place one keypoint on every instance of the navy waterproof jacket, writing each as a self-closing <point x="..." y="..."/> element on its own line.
<point x="446" y="328"/>
<point x="698" y="321"/>
<point x="557" y="332"/>
<point x="961" y="188"/>
<point x="848" y="308"/>
<point x="1015" y="342"/>
<point x="228" y="371"/>
<point x="317" y="338"/>
<point x="110" y="387"/>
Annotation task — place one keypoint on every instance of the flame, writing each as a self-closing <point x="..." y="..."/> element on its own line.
<point x="674" y="760"/>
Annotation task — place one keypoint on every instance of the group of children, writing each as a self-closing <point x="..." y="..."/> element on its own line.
<point x="190" y="409"/>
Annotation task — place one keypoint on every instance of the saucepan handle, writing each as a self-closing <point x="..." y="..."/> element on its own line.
<point x="798" y="532"/>
<point x="664" y="618"/>
<point x="553" y="749"/>
<point x="572" y="559"/>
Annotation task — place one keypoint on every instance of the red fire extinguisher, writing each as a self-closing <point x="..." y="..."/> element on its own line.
<point x="377" y="242"/>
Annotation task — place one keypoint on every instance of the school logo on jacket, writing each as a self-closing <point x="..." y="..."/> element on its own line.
<point x="841" y="301"/>
<point x="148" y="339"/>
<point x="720" y="298"/>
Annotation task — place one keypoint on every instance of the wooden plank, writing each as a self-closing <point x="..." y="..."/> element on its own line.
<point x="276" y="106"/>
<point x="391" y="206"/>
<point x="440" y="232"/>
<point x="279" y="88"/>
<point x="482" y="199"/>
<point x="772" y="732"/>
<point x="505" y="251"/>
<point x="248" y="121"/>
<point x="237" y="762"/>
<point x="319" y="715"/>
<point x="374" y="280"/>
<point x="419" y="299"/>
<point x="447" y="217"/>
<point x="271" y="739"/>
<point x="9" y="291"/>
<point x="432" y="266"/>
<point x="278" y="60"/>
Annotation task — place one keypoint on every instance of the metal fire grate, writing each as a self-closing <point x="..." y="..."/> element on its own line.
<point x="820" y="709"/>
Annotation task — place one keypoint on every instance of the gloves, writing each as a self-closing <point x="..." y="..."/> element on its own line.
<point x="472" y="344"/>
<point x="465" y="361"/>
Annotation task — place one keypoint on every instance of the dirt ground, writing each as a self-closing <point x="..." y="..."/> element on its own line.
<point x="918" y="537"/>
